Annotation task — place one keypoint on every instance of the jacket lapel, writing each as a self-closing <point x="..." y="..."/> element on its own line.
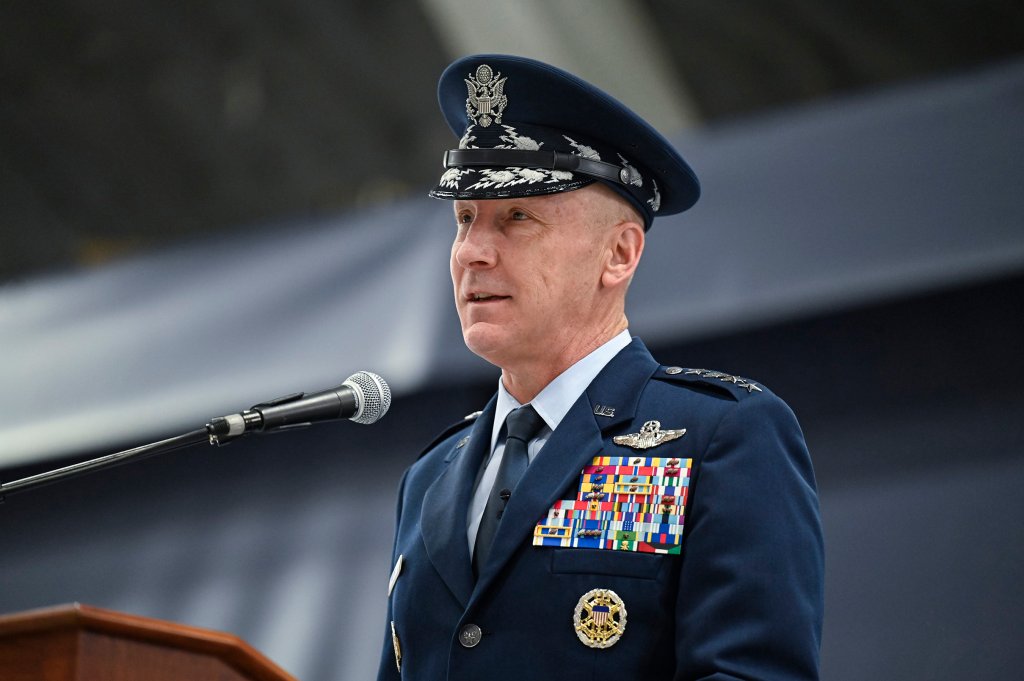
<point x="445" y="508"/>
<point x="576" y="441"/>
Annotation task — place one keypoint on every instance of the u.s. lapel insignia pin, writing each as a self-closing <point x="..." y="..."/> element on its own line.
<point x="650" y="435"/>
<point x="599" y="618"/>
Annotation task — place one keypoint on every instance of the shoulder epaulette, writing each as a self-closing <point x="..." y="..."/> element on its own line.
<point x="467" y="420"/>
<point x="736" y="386"/>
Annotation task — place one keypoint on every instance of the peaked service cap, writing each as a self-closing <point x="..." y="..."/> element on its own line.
<point x="527" y="128"/>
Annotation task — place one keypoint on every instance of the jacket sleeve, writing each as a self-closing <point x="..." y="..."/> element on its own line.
<point x="752" y="579"/>
<point x="388" y="669"/>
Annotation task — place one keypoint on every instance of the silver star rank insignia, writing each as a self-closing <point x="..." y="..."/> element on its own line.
<point x="650" y="435"/>
<point x="739" y="381"/>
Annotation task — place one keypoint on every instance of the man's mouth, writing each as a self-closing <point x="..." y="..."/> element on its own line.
<point x="484" y="297"/>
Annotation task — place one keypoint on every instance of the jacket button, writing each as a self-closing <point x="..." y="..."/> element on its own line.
<point x="470" y="635"/>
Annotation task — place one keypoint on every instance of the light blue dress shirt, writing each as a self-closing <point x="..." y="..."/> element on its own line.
<point x="552" y="403"/>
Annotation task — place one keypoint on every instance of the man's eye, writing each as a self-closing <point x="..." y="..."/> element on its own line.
<point x="519" y="215"/>
<point x="464" y="218"/>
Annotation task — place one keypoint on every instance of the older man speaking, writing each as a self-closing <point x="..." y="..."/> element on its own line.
<point x="603" y="516"/>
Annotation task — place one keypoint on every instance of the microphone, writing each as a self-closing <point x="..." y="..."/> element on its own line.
<point x="364" y="397"/>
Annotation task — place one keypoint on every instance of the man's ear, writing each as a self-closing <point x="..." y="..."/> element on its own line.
<point x="625" y="247"/>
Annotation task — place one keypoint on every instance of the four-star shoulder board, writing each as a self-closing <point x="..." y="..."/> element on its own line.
<point x="711" y="377"/>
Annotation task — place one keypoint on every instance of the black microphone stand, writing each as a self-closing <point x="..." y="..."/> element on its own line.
<point x="263" y="417"/>
<point x="170" y="444"/>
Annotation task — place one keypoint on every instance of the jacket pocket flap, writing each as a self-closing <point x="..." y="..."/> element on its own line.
<point x="604" y="562"/>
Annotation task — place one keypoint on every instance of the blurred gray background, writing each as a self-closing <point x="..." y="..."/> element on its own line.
<point x="204" y="205"/>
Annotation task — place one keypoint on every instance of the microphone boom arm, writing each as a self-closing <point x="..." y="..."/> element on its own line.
<point x="363" y="397"/>
<point x="134" y="454"/>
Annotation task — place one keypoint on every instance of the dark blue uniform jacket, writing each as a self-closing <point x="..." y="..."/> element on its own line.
<point x="743" y="599"/>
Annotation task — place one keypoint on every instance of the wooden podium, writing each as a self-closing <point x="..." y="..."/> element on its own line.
<point x="81" y="643"/>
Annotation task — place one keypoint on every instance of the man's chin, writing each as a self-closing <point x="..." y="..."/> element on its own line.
<point x="487" y="341"/>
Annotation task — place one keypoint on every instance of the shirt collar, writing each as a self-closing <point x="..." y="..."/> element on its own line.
<point x="558" y="396"/>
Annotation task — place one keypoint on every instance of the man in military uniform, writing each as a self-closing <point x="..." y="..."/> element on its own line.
<point x="604" y="516"/>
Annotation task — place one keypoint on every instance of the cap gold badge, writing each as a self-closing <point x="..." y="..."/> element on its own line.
<point x="599" y="618"/>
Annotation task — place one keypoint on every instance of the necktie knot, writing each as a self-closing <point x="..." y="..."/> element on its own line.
<point x="524" y="423"/>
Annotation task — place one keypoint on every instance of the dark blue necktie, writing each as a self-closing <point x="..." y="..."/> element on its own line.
<point x="523" y="424"/>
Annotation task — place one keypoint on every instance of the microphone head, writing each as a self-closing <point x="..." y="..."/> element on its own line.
<point x="373" y="395"/>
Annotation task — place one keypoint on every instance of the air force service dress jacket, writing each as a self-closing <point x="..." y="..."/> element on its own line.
<point x="740" y="599"/>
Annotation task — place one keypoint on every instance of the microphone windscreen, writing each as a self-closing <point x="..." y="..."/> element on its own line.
<point x="374" y="396"/>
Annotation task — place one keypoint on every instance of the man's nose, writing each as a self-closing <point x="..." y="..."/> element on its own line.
<point x="476" y="250"/>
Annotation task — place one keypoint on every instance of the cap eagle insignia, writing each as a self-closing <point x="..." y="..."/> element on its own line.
<point x="650" y="435"/>
<point x="487" y="99"/>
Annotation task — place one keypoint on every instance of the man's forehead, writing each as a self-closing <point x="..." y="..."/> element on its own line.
<point x="587" y="202"/>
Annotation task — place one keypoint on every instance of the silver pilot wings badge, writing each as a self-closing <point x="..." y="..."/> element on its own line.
<point x="650" y="435"/>
<point x="486" y="96"/>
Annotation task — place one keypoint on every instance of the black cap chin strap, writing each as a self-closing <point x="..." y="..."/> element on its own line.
<point x="552" y="160"/>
